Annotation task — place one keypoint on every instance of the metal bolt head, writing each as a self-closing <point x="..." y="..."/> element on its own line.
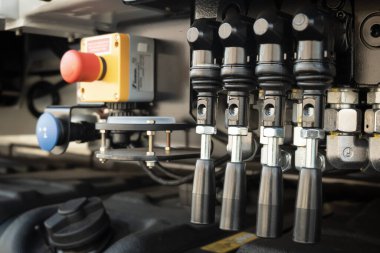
<point x="343" y="120"/>
<point x="150" y="133"/>
<point x="149" y="153"/>
<point x="274" y="132"/>
<point x="335" y="96"/>
<point x="373" y="97"/>
<point x="312" y="133"/>
<point x="296" y="94"/>
<point x="150" y="164"/>
<point x="210" y="130"/>
<point x="237" y="131"/>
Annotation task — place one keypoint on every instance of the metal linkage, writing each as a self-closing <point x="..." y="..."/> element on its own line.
<point x="205" y="79"/>
<point x="238" y="79"/>
<point x="314" y="70"/>
<point x="274" y="77"/>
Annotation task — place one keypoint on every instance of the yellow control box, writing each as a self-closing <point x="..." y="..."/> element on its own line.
<point x="129" y="69"/>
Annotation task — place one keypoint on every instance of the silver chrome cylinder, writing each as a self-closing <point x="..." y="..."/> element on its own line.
<point x="235" y="55"/>
<point x="202" y="57"/>
<point x="236" y="151"/>
<point x="310" y="50"/>
<point x="205" y="146"/>
<point x="270" y="53"/>
<point x="236" y="134"/>
<point x="273" y="153"/>
<point x="311" y="153"/>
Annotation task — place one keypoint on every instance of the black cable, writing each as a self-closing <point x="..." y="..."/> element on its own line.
<point x="181" y="180"/>
<point x="162" y="181"/>
<point x="167" y="172"/>
<point x="38" y="90"/>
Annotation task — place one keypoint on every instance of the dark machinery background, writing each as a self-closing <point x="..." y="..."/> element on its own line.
<point x="74" y="203"/>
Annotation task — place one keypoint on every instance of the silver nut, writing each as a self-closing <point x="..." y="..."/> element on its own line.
<point x="274" y="132"/>
<point x="342" y="96"/>
<point x="296" y="94"/>
<point x="205" y="130"/>
<point x="150" y="133"/>
<point x="343" y="120"/>
<point x="237" y="131"/>
<point x="330" y="120"/>
<point x="373" y="97"/>
<point x="372" y="121"/>
<point x="348" y="120"/>
<point x="264" y="139"/>
<point x="150" y="164"/>
<point x="312" y="133"/>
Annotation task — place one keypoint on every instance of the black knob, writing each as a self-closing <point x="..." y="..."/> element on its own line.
<point x="270" y="29"/>
<point x="203" y="35"/>
<point x="236" y="32"/>
<point x="311" y="25"/>
<point x="79" y="224"/>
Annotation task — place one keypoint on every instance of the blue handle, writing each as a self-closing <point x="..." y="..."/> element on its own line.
<point x="48" y="131"/>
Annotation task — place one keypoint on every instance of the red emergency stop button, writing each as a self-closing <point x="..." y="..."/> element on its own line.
<point x="81" y="67"/>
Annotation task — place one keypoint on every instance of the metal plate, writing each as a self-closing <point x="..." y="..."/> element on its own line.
<point x="139" y="154"/>
<point x="142" y="127"/>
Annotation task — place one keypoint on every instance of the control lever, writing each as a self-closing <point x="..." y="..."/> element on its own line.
<point x="238" y="79"/>
<point x="205" y="79"/>
<point x="274" y="77"/>
<point x="203" y="196"/>
<point x="269" y="211"/>
<point x="308" y="215"/>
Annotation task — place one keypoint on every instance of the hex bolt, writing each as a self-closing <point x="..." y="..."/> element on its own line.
<point x="150" y="141"/>
<point x="103" y="144"/>
<point x="150" y="152"/>
<point x="103" y="141"/>
<point x="168" y="140"/>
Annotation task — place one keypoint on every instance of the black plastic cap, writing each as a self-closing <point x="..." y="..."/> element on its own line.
<point x="79" y="224"/>
<point x="203" y="35"/>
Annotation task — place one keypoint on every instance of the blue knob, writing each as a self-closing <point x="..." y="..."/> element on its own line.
<point x="48" y="131"/>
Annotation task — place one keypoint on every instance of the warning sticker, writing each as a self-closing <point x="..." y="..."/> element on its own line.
<point x="99" y="46"/>
<point x="230" y="243"/>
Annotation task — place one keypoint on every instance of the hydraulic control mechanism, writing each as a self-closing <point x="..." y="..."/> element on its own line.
<point x="205" y="79"/>
<point x="314" y="71"/>
<point x="237" y="74"/>
<point x="274" y="78"/>
<point x="288" y="80"/>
